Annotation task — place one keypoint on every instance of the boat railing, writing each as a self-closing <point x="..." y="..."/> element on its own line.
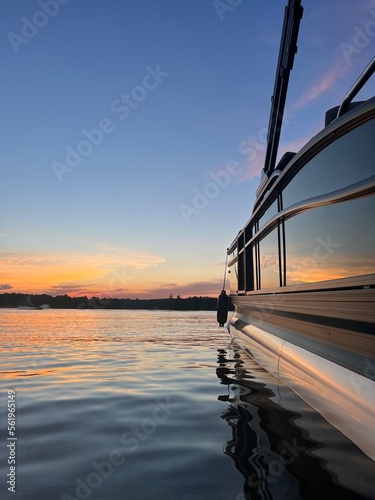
<point x="363" y="78"/>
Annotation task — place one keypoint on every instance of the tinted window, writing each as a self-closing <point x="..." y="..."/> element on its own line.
<point x="241" y="240"/>
<point x="255" y="269"/>
<point x="241" y="271"/>
<point x="330" y="242"/>
<point x="347" y="160"/>
<point x="249" y="269"/>
<point x="269" y="261"/>
<point x="232" y="255"/>
<point x="233" y="275"/>
<point x="233" y="278"/>
<point x="248" y="232"/>
<point x="269" y="213"/>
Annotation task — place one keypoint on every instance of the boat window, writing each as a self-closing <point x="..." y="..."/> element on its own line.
<point x="268" y="214"/>
<point x="241" y="271"/>
<point x="241" y="240"/>
<point x="347" y="160"/>
<point x="256" y="266"/>
<point x="232" y="255"/>
<point x="233" y="270"/>
<point x="233" y="278"/>
<point x="269" y="261"/>
<point x="331" y="242"/>
<point x="248" y="232"/>
<point x="249" y="269"/>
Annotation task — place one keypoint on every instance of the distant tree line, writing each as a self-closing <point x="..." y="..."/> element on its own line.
<point x="66" y="302"/>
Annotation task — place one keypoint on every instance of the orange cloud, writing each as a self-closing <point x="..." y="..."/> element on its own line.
<point x="74" y="273"/>
<point x="309" y="270"/>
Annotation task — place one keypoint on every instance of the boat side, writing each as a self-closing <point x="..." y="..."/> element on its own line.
<point x="327" y="360"/>
<point x="303" y="275"/>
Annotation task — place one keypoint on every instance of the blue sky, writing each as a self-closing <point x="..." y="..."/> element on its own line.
<point x="126" y="221"/>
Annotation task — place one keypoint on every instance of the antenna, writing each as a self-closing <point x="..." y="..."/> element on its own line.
<point x="288" y="49"/>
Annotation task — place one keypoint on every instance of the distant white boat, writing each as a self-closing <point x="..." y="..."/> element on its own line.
<point x="28" y="305"/>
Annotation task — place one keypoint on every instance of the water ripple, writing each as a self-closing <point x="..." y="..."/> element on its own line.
<point x="154" y="404"/>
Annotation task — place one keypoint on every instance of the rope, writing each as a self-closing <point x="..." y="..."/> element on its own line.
<point x="225" y="270"/>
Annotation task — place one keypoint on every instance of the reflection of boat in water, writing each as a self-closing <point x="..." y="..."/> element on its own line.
<point x="302" y="268"/>
<point x="283" y="453"/>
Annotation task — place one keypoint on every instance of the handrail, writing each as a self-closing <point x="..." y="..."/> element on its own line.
<point x="366" y="74"/>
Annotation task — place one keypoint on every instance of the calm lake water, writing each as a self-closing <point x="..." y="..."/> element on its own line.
<point x="141" y="405"/>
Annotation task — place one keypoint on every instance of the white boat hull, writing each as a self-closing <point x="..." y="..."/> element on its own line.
<point x="343" y="397"/>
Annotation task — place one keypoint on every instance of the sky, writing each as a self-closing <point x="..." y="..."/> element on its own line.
<point x="133" y="133"/>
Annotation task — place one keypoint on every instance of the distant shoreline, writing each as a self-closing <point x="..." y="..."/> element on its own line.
<point x="44" y="301"/>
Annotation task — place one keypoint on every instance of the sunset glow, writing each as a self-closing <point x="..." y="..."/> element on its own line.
<point x="106" y="139"/>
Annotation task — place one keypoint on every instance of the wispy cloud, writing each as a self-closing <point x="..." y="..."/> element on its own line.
<point x="307" y="270"/>
<point x="325" y="83"/>
<point x="197" y="288"/>
<point x="108" y="261"/>
<point x="294" y="146"/>
<point x="75" y="273"/>
<point x="254" y="169"/>
<point x="5" y="286"/>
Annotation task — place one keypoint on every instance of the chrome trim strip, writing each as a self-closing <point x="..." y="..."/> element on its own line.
<point x="362" y="281"/>
<point x="348" y="305"/>
<point x="336" y="325"/>
<point x="361" y="188"/>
